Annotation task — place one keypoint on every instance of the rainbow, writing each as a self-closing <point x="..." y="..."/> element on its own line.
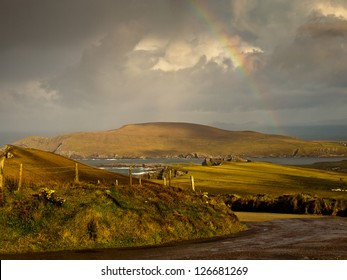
<point x="215" y="26"/>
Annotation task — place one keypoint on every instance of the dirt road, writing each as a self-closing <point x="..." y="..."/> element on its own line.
<point x="318" y="238"/>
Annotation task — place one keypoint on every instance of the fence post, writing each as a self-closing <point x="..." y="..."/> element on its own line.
<point x="116" y="183"/>
<point x="170" y="174"/>
<point x="77" y="179"/>
<point x="140" y="181"/>
<point x="131" y="175"/>
<point x="2" y="179"/>
<point x="164" y="181"/>
<point x="20" y="177"/>
<point x="192" y="183"/>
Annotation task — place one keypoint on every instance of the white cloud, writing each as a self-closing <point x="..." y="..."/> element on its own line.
<point x="329" y="8"/>
<point x="151" y="44"/>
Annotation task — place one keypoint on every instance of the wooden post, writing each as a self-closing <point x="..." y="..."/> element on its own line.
<point x="192" y="183"/>
<point x="170" y="174"/>
<point x="2" y="179"/>
<point x="140" y="181"/>
<point x="131" y="175"/>
<point x="20" y="177"/>
<point x="77" y="179"/>
<point x="116" y="183"/>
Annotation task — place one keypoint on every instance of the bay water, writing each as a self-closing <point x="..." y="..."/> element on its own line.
<point x="141" y="166"/>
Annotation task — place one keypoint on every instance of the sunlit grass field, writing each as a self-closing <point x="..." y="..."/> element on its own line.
<point x="247" y="178"/>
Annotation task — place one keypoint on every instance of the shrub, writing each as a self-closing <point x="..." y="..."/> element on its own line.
<point x="291" y="204"/>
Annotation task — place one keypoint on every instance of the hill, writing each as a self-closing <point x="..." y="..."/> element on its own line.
<point x="338" y="166"/>
<point x="178" y="139"/>
<point x="45" y="167"/>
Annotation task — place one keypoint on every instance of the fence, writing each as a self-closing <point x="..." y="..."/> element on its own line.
<point x="41" y="172"/>
<point x="73" y="170"/>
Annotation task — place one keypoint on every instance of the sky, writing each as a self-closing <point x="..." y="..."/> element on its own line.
<point x="86" y="65"/>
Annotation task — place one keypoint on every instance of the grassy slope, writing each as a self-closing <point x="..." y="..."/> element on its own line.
<point x="260" y="177"/>
<point x="99" y="215"/>
<point x="44" y="167"/>
<point x="162" y="139"/>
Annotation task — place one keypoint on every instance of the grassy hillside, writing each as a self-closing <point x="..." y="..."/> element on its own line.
<point x="174" y="139"/>
<point x="44" y="167"/>
<point x="51" y="212"/>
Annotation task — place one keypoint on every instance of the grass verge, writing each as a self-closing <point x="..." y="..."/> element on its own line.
<point x="262" y="217"/>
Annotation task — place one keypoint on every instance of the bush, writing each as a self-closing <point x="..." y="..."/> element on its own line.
<point x="290" y="204"/>
<point x="11" y="184"/>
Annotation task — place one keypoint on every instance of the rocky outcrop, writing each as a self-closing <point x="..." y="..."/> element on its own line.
<point x="164" y="172"/>
<point x="210" y="161"/>
<point x="6" y="152"/>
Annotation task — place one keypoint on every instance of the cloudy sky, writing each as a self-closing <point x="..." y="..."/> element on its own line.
<point x="87" y="65"/>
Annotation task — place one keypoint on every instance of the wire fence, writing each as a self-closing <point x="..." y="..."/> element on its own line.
<point x="73" y="170"/>
<point x="43" y="172"/>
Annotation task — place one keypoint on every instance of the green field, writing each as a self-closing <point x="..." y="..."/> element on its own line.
<point x="249" y="178"/>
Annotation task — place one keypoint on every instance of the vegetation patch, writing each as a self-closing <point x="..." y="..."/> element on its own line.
<point x="290" y="204"/>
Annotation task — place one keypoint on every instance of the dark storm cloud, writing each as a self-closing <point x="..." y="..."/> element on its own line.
<point x="311" y="70"/>
<point x="96" y="61"/>
<point x="49" y="22"/>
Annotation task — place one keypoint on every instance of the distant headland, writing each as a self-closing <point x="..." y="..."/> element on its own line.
<point x="172" y="139"/>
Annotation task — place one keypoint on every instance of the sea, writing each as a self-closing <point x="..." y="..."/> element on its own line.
<point x="142" y="166"/>
<point x="139" y="166"/>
